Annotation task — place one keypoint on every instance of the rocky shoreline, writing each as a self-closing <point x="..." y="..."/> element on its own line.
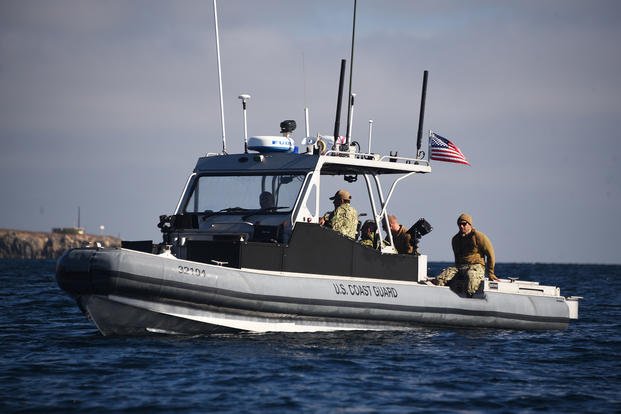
<point x="19" y="244"/>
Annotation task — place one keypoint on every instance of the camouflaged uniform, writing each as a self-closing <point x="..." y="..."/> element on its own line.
<point x="469" y="280"/>
<point x="344" y="219"/>
<point x="366" y="242"/>
<point x="470" y="252"/>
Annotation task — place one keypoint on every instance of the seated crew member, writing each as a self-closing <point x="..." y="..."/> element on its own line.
<point x="368" y="234"/>
<point x="344" y="218"/>
<point x="266" y="200"/>
<point x="400" y="236"/>
<point x="474" y="259"/>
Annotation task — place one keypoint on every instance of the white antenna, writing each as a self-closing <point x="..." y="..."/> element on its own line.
<point x="351" y="117"/>
<point x="370" y="133"/>
<point x="244" y="98"/>
<point x="306" y="121"/>
<point x="215" y="17"/>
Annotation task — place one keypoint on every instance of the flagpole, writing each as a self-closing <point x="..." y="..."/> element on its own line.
<point x="429" y="147"/>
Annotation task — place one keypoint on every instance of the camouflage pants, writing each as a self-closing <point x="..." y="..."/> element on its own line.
<point x="468" y="279"/>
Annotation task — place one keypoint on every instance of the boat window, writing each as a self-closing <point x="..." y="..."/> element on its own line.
<point x="267" y="193"/>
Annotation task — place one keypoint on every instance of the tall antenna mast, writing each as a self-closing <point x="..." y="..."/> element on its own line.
<point x="350" y="98"/>
<point x="421" y="117"/>
<point x="339" y="101"/>
<point x="215" y="17"/>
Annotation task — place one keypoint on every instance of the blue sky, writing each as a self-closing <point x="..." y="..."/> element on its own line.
<point x="107" y="105"/>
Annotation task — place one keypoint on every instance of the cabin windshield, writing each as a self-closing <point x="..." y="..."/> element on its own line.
<point x="240" y="193"/>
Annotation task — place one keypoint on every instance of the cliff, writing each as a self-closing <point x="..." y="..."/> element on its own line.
<point x="18" y="244"/>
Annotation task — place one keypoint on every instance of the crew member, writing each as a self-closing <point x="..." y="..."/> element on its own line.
<point x="400" y="236"/>
<point x="344" y="218"/>
<point x="474" y="259"/>
<point x="266" y="200"/>
<point x="368" y="233"/>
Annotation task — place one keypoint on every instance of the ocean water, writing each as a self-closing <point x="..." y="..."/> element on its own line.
<point x="52" y="360"/>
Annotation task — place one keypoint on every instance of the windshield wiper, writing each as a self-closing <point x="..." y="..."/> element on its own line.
<point x="252" y="212"/>
<point x="209" y="213"/>
<point x="233" y="210"/>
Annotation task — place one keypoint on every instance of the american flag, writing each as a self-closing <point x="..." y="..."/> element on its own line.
<point x="441" y="149"/>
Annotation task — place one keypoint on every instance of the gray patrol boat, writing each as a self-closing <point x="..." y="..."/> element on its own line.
<point x="227" y="263"/>
<point x="231" y="262"/>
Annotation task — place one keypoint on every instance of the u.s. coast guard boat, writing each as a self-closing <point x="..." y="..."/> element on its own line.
<point x="228" y="263"/>
<point x="244" y="251"/>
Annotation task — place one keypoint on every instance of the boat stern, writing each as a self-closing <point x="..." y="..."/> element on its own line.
<point x="573" y="304"/>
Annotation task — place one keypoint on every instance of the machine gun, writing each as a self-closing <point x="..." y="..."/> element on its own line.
<point x="418" y="230"/>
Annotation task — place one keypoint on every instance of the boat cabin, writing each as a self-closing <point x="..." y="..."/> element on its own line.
<point x="262" y="210"/>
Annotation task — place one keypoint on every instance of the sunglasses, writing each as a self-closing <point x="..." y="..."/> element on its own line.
<point x="463" y="223"/>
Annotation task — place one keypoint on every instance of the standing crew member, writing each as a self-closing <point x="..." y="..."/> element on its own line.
<point x="474" y="258"/>
<point x="344" y="218"/>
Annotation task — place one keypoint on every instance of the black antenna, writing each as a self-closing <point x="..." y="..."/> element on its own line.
<point x="351" y="71"/>
<point x="421" y="118"/>
<point x="339" y="103"/>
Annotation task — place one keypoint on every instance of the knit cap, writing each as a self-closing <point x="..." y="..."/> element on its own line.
<point x="465" y="217"/>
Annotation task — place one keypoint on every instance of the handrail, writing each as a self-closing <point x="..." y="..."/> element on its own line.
<point x="407" y="160"/>
<point x="373" y="157"/>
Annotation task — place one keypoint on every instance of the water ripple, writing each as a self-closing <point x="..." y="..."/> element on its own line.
<point x="54" y="360"/>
